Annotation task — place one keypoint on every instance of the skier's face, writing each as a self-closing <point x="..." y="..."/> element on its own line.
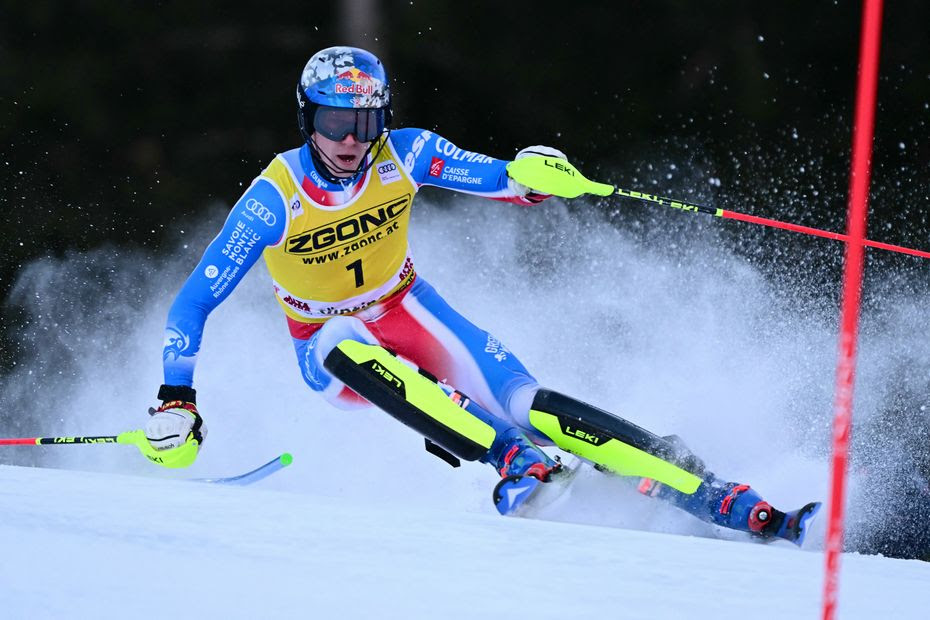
<point x="347" y="154"/>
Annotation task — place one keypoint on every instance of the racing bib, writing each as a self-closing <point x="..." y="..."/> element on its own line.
<point x="338" y="259"/>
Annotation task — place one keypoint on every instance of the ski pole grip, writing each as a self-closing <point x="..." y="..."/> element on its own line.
<point x="555" y="176"/>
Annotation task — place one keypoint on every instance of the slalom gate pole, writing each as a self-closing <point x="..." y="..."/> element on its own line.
<point x="863" y="135"/>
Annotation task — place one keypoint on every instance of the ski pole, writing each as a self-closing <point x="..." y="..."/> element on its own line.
<point x="555" y="176"/>
<point x="181" y="456"/>
<point x="754" y="219"/>
<point x="43" y="441"/>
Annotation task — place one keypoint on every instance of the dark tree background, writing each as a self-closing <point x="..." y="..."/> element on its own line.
<point x="119" y="121"/>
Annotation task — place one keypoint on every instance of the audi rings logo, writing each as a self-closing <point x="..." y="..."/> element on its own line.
<point x="260" y="211"/>
<point x="388" y="167"/>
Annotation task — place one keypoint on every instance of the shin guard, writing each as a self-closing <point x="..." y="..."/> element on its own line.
<point x="413" y="397"/>
<point x="609" y="441"/>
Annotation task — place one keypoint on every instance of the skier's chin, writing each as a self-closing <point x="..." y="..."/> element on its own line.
<point x="344" y="167"/>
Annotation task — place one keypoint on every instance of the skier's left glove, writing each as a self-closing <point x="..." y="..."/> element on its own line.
<point x="529" y="195"/>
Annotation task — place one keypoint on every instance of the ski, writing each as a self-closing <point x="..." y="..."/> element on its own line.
<point x="513" y="491"/>
<point x="520" y="495"/>
<point x="259" y="473"/>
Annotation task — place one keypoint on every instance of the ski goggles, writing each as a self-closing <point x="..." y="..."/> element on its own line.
<point x="365" y="124"/>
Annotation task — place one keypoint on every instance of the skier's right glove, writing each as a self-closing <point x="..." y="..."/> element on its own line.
<point x="175" y="430"/>
<point x="528" y="194"/>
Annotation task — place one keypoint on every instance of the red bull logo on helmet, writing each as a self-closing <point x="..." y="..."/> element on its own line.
<point x="359" y="83"/>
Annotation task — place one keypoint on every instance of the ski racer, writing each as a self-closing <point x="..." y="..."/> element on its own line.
<point x="331" y="219"/>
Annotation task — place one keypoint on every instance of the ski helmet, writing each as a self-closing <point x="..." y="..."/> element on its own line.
<point x="345" y="78"/>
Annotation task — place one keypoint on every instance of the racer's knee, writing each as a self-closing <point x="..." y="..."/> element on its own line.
<point x="315" y="350"/>
<point x="518" y="406"/>
<point x="334" y="331"/>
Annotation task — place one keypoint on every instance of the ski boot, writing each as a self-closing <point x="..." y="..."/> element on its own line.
<point x="523" y="466"/>
<point x="743" y="508"/>
<point x="738" y="507"/>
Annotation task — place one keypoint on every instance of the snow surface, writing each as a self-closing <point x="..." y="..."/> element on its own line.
<point x="658" y="322"/>
<point x="93" y="545"/>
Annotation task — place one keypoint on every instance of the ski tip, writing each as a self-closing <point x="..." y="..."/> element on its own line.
<point x="286" y="459"/>
<point x="512" y="491"/>
<point x="804" y="518"/>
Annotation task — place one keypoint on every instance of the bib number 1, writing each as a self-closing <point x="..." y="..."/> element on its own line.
<point x="356" y="267"/>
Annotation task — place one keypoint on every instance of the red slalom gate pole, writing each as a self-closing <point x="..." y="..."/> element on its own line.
<point x="863" y="135"/>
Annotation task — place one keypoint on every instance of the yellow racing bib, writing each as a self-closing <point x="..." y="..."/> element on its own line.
<point x="340" y="258"/>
